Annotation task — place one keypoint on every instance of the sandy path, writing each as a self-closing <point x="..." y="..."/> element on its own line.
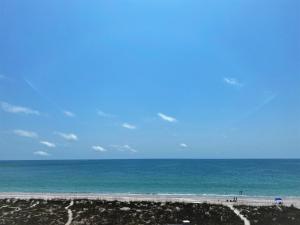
<point x="237" y="212"/>
<point x="70" y="214"/>
<point x="4" y="206"/>
<point x="35" y="204"/>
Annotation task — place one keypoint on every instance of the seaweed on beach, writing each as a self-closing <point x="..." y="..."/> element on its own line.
<point x="271" y="215"/>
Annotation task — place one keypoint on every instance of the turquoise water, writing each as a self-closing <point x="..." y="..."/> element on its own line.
<point x="219" y="177"/>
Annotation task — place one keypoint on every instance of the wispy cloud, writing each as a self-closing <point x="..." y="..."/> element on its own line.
<point x="167" y="118"/>
<point x="128" y="126"/>
<point x="17" y="109"/>
<point x="129" y="148"/>
<point x="40" y="94"/>
<point x="266" y="100"/>
<point x="41" y="153"/>
<point x="2" y="77"/>
<point x="269" y="98"/>
<point x="123" y="148"/>
<point x="232" y="81"/>
<point x="98" y="148"/>
<point x="48" y="144"/>
<point x="68" y="137"/>
<point x="25" y="133"/>
<point x="104" y="114"/>
<point x="183" y="145"/>
<point x="31" y="85"/>
<point x="69" y="113"/>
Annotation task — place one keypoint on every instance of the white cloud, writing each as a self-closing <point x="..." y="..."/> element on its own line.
<point x="68" y="137"/>
<point x="17" y="109"/>
<point x="104" y="114"/>
<point x="48" y="144"/>
<point x="41" y="153"/>
<point x="98" y="148"/>
<point x="167" y="118"/>
<point x="129" y="126"/>
<point x="25" y="133"/>
<point x="127" y="147"/>
<point x="183" y="145"/>
<point x="123" y="148"/>
<point x="68" y="113"/>
<point x="232" y="81"/>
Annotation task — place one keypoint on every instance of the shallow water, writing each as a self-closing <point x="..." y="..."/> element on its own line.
<point x="216" y="177"/>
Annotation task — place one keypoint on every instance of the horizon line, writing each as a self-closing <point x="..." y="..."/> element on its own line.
<point x="3" y="160"/>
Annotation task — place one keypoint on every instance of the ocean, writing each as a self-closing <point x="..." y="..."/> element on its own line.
<point x="261" y="177"/>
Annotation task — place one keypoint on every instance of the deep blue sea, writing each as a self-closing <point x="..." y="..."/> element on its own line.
<point x="216" y="177"/>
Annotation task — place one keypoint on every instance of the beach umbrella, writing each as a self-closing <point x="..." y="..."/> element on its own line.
<point x="278" y="200"/>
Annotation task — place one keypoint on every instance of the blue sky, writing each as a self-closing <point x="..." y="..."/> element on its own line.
<point x="149" y="79"/>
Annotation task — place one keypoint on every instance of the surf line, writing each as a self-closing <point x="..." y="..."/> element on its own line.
<point x="237" y="212"/>
<point x="70" y="214"/>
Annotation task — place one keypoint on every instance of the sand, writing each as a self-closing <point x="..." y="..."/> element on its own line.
<point x="242" y="200"/>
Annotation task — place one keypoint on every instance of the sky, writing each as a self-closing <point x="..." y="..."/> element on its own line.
<point x="149" y="79"/>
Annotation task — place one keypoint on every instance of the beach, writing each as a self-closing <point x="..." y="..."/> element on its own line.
<point x="135" y="209"/>
<point x="212" y="199"/>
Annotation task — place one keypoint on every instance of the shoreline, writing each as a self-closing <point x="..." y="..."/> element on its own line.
<point x="188" y="198"/>
<point x="132" y="209"/>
